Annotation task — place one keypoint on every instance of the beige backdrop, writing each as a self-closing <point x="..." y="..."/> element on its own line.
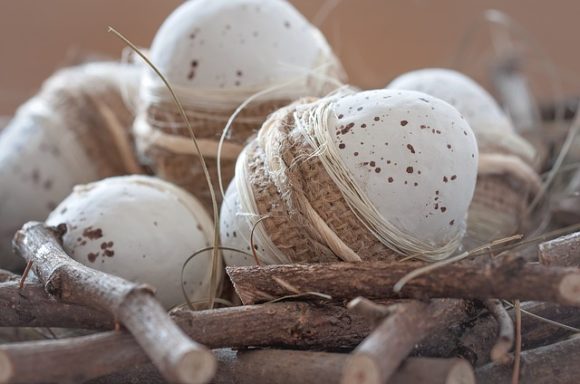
<point x="376" y="39"/>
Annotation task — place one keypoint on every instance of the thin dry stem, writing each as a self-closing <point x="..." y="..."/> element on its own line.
<point x="430" y="267"/>
<point x="216" y="239"/>
<point x="505" y="339"/>
<point x="518" y="352"/>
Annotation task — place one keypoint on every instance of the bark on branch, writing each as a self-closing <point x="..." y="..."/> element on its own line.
<point x="554" y="363"/>
<point x="276" y="366"/>
<point x="563" y="251"/>
<point x="510" y="280"/>
<point x="173" y="353"/>
<point x="30" y="306"/>
<point x="377" y="358"/>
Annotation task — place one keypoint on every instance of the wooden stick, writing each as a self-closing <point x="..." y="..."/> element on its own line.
<point x="562" y="252"/>
<point x="55" y="361"/>
<point x="304" y="325"/>
<point x="506" y="336"/>
<point x="289" y="367"/>
<point x="474" y="340"/>
<point x="369" y="309"/>
<point x="276" y="366"/>
<point x="177" y="357"/>
<point x="376" y="359"/>
<point x="554" y="363"/>
<point x="511" y="280"/>
<point x="32" y="307"/>
<point x="290" y="324"/>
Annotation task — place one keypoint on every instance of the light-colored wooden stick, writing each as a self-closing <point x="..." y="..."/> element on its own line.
<point x="288" y="367"/>
<point x="178" y="357"/>
<point x="276" y="366"/>
<point x="377" y="358"/>
<point x="562" y="252"/>
<point x="506" y="335"/>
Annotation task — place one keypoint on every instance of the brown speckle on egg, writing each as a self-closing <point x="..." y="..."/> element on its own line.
<point x="92" y="234"/>
<point x="410" y="148"/>
<point x="409" y="169"/>
<point x="404" y="122"/>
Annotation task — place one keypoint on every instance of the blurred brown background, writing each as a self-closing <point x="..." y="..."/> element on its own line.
<point x="376" y="39"/>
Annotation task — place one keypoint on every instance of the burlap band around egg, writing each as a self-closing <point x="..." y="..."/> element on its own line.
<point x="280" y="177"/>
<point x="89" y="100"/>
<point x="506" y="185"/>
<point x="165" y="145"/>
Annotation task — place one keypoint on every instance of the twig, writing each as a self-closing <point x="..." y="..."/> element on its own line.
<point x="372" y="311"/>
<point x="275" y="366"/>
<point x="554" y="363"/>
<point x="174" y="354"/>
<point x="563" y="251"/>
<point x="289" y="324"/>
<point x="376" y="359"/>
<point x="32" y="307"/>
<point x="505" y="340"/>
<point x="289" y="367"/>
<point x="509" y="279"/>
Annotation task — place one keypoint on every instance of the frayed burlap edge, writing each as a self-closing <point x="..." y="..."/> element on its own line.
<point x="504" y="191"/>
<point x="89" y="99"/>
<point x="184" y="169"/>
<point x="305" y="182"/>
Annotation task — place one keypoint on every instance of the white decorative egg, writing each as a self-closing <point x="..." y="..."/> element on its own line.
<point x="142" y="229"/>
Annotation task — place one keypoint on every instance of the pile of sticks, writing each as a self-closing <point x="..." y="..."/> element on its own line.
<point x="335" y="323"/>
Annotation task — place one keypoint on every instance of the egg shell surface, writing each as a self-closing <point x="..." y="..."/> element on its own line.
<point x="229" y="44"/>
<point x="413" y="155"/>
<point x="142" y="229"/>
<point x="468" y="97"/>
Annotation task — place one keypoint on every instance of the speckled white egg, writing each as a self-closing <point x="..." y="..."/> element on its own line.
<point x="489" y="123"/>
<point x="413" y="155"/>
<point x="43" y="151"/>
<point x="142" y="229"/>
<point x="229" y="44"/>
<point x="234" y="230"/>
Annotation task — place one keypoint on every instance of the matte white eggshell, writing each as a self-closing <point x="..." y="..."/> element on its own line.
<point x="41" y="156"/>
<point x="228" y="44"/>
<point x="235" y="229"/>
<point x="469" y="98"/>
<point x="489" y="123"/>
<point x="142" y="229"/>
<point x="413" y="155"/>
